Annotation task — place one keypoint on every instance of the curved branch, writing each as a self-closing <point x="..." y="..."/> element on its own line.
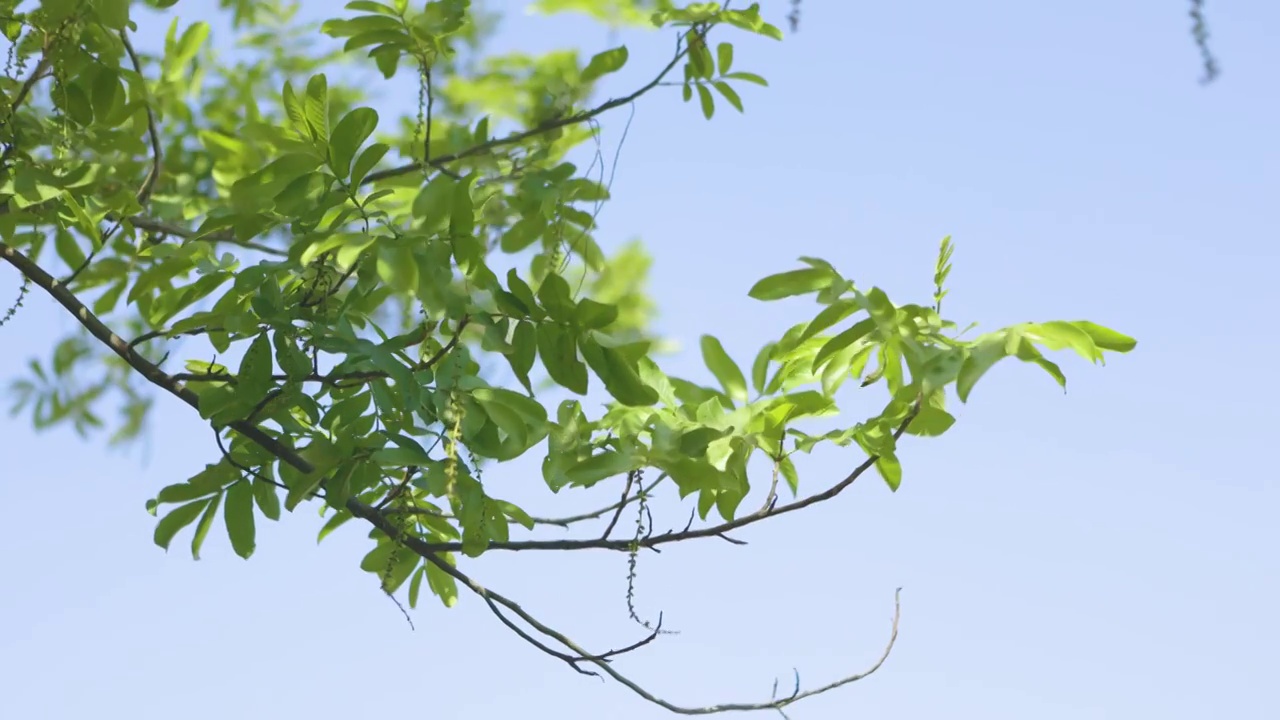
<point x="601" y="662"/>
<point x="157" y="155"/>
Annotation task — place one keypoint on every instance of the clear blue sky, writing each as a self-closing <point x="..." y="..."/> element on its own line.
<point x="1110" y="553"/>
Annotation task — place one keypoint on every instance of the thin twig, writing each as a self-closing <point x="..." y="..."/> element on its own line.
<point x="157" y="155"/>
<point x="626" y="491"/>
<point x="565" y="522"/>
<point x="515" y="138"/>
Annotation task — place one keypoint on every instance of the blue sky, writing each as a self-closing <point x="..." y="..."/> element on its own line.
<point x="1104" y="554"/>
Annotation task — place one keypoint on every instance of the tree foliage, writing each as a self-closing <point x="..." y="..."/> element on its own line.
<point x="376" y="313"/>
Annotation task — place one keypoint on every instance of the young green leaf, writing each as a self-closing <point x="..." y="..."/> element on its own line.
<point x="442" y="584"/>
<point x="1057" y="335"/>
<point x="890" y="469"/>
<point x="348" y="135"/>
<point x="266" y="498"/>
<point x="747" y="77"/>
<point x="239" y="518"/>
<point x="708" y="102"/>
<point x="296" y="113"/>
<point x="724" y="368"/>
<point x="177" y="519"/>
<point x="729" y="94"/>
<point x="598" y="467"/>
<point x="1105" y="337"/>
<point x="202" y="527"/>
<point x="292" y="360"/>
<point x="253" y="380"/>
<point x="604" y="63"/>
<point x="367" y="160"/>
<point x="724" y="57"/>
<point x="559" y="351"/>
<point x="760" y="368"/>
<point x="791" y="283"/>
<point x="830" y="315"/>
<point x="620" y="374"/>
<point x="316" y="108"/>
<point x="415" y="584"/>
<point x="981" y="357"/>
<point x="859" y="330"/>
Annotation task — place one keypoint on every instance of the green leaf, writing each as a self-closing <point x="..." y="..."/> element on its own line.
<point x="723" y="367"/>
<point x="708" y="103"/>
<point x="398" y="268"/>
<point x="204" y="367"/>
<point x="202" y="527"/>
<point x="253" y="379"/>
<point x="603" y="63"/>
<point x="462" y="220"/>
<point x="694" y="443"/>
<point x="370" y="6"/>
<point x="619" y="373"/>
<point x="1057" y="335"/>
<point x="747" y="77"/>
<point x="1105" y="337"/>
<point x="760" y="368"/>
<point x="792" y="283"/>
<point x="729" y="94"/>
<point x="559" y="351"/>
<point x="931" y="421"/>
<point x="348" y="135"/>
<point x="415" y="584"/>
<point x="292" y="360"/>
<point x="442" y="584"/>
<point x="113" y="13"/>
<point x="557" y="298"/>
<point x="68" y="251"/>
<point x="523" y="420"/>
<point x="1027" y="352"/>
<point x="302" y="487"/>
<point x="860" y="329"/>
<point x="593" y="315"/>
<point x="268" y="501"/>
<point x="316" y="108"/>
<point x="525" y="350"/>
<point x="177" y="519"/>
<point x="295" y="112"/>
<point x="84" y="223"/>
<point x="239" y="518"/>
<point x="789" y="474"/>
<point x="830" y="315"/>
<point x="724" y="57"/>
<point x="592" y="470"/>
<point x="890" y="469"/>
<point x="368" y="159"/>
<point x="982" y="356"/>
<point x="334" y="522"/>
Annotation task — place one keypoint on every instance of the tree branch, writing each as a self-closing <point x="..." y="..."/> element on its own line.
<point x="157" y="155"/>
<point x="489" y="596"/>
